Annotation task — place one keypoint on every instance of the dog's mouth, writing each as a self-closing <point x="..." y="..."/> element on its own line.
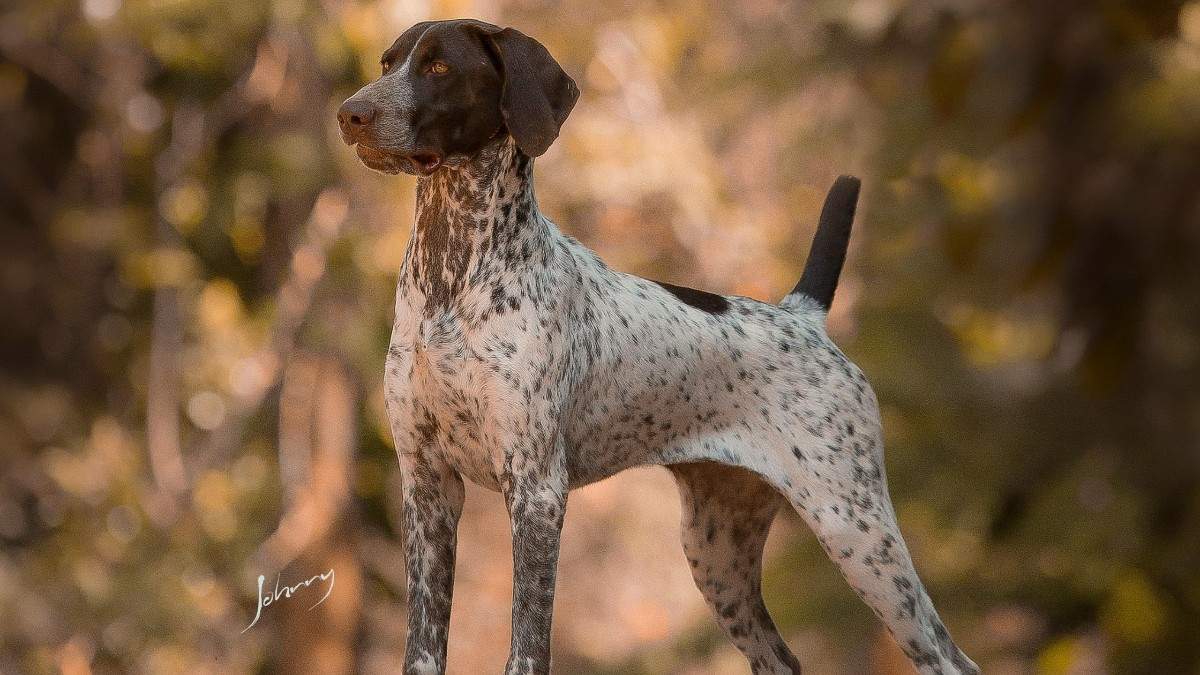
<point x="417" y="164"/>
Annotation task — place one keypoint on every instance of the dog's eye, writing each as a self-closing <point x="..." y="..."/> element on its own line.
<point x="386" y="66"/>
<point x="438" y="68"/>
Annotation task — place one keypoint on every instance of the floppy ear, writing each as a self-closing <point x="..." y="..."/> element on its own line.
<point x="537" y="94"/>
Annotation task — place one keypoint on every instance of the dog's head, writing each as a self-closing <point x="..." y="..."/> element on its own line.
<point x="447" y="88"/>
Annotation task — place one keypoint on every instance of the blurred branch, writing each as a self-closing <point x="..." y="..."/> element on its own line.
<point x="51" y="65"/>
<point x="192" y="132"/>
<point x="293" y="300"/>
<point x="162" y="396"/>
<point x="70" y="79"/>
<point x="295" y="433"/>
<point x="281" y="48"/>
<point x="166" y="333"/>
<point x="320" y="406"/>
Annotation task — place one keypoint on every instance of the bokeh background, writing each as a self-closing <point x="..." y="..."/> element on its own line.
<point x="196" y="280"/>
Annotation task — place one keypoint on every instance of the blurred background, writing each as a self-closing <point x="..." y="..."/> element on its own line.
<point x="196" y="279"/>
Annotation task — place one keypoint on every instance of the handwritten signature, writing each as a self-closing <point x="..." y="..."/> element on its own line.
<point x="265" y="599"/>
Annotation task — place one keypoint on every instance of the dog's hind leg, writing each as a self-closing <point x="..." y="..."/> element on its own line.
<point x="840" y="490"/>
<point x="726" y="515"/>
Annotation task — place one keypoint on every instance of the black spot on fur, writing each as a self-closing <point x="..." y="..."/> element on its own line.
<point x="701" y="300"/>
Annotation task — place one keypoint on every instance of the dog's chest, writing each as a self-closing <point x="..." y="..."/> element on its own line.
<point x="452" y="373"/>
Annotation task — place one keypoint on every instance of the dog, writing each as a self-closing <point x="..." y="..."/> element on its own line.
<point x="520" y="361"/>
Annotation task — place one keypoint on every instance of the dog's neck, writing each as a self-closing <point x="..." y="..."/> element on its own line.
<point x="477" y="224"/>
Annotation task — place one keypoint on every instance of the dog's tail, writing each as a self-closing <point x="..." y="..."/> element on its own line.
<point x="828" y="252"/>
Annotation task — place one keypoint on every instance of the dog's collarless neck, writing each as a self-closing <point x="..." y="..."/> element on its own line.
<point x="474" y="224"/>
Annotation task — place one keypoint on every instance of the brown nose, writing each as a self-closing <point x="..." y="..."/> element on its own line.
<point x="354" y="116"/>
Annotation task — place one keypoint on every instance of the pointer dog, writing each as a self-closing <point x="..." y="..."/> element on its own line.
<point x="520" y="361"/>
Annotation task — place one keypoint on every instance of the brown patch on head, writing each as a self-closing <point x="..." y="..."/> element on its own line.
<point x="447" y="88"/>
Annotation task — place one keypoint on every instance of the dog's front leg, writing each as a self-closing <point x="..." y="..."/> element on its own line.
<point x="433" y="499"/>
<point x="535" y="490"/>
